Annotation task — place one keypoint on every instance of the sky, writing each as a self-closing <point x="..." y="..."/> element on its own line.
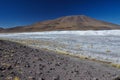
<point x="25" y="12"/>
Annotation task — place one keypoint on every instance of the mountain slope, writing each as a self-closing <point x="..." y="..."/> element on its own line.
<point x="1" y="29"/>
<point x="79" y="22"/>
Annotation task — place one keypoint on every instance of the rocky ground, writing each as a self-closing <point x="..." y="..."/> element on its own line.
<point x="19" y="62"/>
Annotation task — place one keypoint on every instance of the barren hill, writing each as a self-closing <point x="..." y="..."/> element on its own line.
<point x="1" y="29"/>
<point x="79" y="22"/>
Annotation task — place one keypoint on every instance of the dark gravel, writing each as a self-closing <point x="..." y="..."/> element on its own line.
<point x="19" y="62"/>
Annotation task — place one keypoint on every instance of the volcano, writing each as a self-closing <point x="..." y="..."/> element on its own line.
<point x="78" y="22"/>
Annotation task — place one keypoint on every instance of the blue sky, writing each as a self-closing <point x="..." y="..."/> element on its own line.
<point x="24" y="12"/>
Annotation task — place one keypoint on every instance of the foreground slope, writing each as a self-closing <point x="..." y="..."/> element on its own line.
<point x="21" y="62"/>
<point x="79" y="22"/>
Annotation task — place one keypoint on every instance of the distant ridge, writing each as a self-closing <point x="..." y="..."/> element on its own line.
<point x="78" y="22"/>
<point x="1" y="29"/>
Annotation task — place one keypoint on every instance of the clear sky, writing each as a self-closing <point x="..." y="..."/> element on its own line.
<point x="23" y="12"/>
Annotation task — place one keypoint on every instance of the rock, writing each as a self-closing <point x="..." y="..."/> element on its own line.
<point x="58" y="64"/>
<point x="2" y="68"/>
<point x="117" y="78"/>
<point x="95" y="79"/>
<point x="56" y="77"/>
<point x="27" y="65"/>
<point x="10" y="68"/>
<point x="41" y="79"/>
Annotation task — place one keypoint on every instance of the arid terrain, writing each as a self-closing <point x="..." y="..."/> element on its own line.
<point x="77" y="22"/>
<point x="35" y="56"/>
<point x="66" y="48"/>
<point x="19" y="62"/>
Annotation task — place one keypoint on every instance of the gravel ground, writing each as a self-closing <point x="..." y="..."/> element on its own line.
<point x="19" y="62"/>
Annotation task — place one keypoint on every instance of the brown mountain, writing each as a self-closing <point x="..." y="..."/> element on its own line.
<point x="1" y="29"/>
<point x="79" y="22"/>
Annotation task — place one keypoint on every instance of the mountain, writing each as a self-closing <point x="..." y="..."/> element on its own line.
<point x="79" y="22"/>
<point x="1" y="29"/>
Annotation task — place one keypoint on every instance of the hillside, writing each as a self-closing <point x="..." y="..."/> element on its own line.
<point x="1" y="29"/>
<point x="79" y="22"/>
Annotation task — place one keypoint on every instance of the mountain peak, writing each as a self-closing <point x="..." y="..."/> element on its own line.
<point x="75" y="18"/>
